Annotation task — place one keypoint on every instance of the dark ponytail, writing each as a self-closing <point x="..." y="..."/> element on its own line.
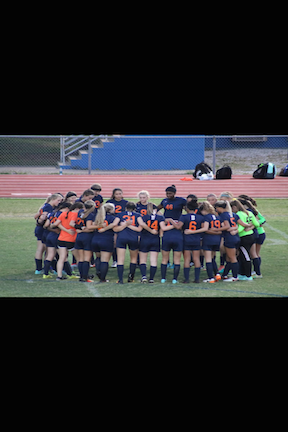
<point x="78" y="205"/>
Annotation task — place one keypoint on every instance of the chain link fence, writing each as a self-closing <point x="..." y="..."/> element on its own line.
<point x="94" y="153"/>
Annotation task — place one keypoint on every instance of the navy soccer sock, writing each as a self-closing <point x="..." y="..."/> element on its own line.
<point x="256" y="263"/>
<point x="85" y="269"/>
<point x="67" y="268"/>
<point x="215" y="267"/>
<point x="163" y="271"/>
<point x="38" y="264"/>
<point x="143" y="269"/>
<point x="197" y="273"/>
<point x="235" y="269"/>
<point x="47" y="265"/>
<point x="120" y="271"/>
<point x="104" y="270"/>
<point x="176" y="271"/>
<point x="133" y="269"/>
<point x="80" y="268"/>
<point x="153" y="271"/>
<point x="209" y="268"/>
<point x="227" y="269"/>
<point x="186" y="273"/>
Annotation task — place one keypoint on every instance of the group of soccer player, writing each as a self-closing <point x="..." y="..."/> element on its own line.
<point x="95" y="232"/>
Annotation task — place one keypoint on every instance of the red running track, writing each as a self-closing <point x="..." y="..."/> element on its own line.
<point x="40" y="186"/>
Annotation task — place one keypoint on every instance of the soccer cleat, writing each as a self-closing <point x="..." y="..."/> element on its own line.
<point x="175" y="281"/>
<point x="245" y="278"/>
<point x="232" y="279"/>
<point x="73" y="277"/>
<point x="144" y="280"/>
<point x="163" y="281"/>
<point x="212" y="280"/>
<point x="120" y="282"/>
<point x="255" y="276"/>
<point x="130" y="278"/>
<point x="218" y="277"/>
<point x="39" y="272"/>
<point x="47" y="276"/>
<point x="151" y="281"/>
<point x="114" y="265"/>
<point x="61" y="279"/>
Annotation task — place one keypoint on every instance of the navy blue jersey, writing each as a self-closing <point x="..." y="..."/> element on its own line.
<point x="153" y="221"/>
<point x="127" y="232"/>
<point x="142" y="208"/>
<point x="47" y="208"/>
<point x="120" y="206"/>
<point x="232" y="222"/>
<point x="109" y="219"/>
<point x="98" y="200"/>
<point x="214" y="222"/>
<point x="173" y="208"/>
<point x="192" y="222"/>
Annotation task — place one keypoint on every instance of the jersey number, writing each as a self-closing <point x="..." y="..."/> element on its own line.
<point x="133" y="218"/>
<point x="153" y="225"/>
<point x="193" y="226"/>
<point x="216" y="224"/>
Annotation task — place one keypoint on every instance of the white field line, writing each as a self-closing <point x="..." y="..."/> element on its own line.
<point x="284" y="235"/>
<point x="92" y="290"/>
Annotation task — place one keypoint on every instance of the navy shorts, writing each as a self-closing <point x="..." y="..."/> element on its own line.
<point x="261" y="238"/>
<point x="123" y="242"/>
<point x="210" y="246"/>
<point x="39" y="232"/>
<point x="191" y="245"/>
<point x="173" y="242"/>
<point x="51" y="240"/>
<point x="232" y="242"/>
<point x="83" y="241"/>
<point x="102" y="245"/>
<point x="149" y="244"/>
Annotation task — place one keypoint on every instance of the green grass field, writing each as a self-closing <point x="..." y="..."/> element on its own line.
<point x="18" y="245"/>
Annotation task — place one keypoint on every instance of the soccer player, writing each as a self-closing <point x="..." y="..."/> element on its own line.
<point x="142" y="205"/>
<point x="52" y="237"/>
<point x="51" y="203"/>
<point x="193" y="225"/>
<point x="120" y="205"/>
<point x="247" y="238"/>
<point x="150" y="241"/>
<point x="172" y="238"/>
<point x="83" y="247"/>
<point x="103" y="237"/>
<point x="98" y="199"/>
<point x="250" y="204"/>
<point x="128" y="232"/>
<point x="67" y="238"/>
<point x="211" y="240"/>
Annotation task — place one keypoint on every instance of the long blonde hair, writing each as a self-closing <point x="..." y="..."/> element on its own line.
<point x="206" y="206"/>
<point x="102" y="211"/>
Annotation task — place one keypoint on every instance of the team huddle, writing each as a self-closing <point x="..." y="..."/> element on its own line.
<point x="96" y="232"/>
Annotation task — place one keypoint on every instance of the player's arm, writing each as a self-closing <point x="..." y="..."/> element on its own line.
<point x="176" y="224"/>
<point x="61" y="227"/>
<point x="204" y="228"/>
<point x="146" y="227"/>
<point x="119" y="228"/>
<point x="139" y="228"/>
